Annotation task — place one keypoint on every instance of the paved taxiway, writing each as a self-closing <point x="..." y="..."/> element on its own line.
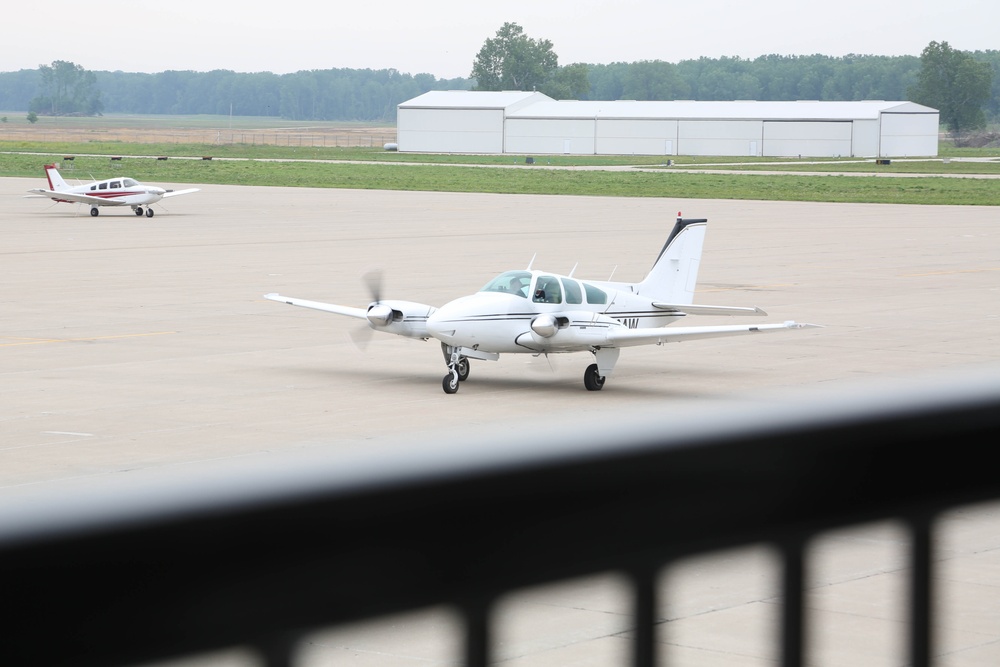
<point x="131" y="344"/>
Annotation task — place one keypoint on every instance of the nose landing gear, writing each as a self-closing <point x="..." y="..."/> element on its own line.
<point x="458" y="371"/>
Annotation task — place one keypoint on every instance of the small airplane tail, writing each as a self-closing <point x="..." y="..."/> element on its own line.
<point x="56" y="181"/>
<point x="675" y="271"/>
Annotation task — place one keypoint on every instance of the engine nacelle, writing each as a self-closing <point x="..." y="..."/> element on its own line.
<point x="379" y="314"/>
<point x="546" y="325"/>
<point x="403" y="318"/>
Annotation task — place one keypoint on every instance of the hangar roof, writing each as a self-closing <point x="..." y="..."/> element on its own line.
<point x="692" y="110"/>
<point x="473" y="99"/>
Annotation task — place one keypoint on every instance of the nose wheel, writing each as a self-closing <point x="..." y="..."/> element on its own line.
<point x="458" y="371"/>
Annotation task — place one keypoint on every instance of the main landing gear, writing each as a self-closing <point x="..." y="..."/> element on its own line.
<point x="94" y="212"/>
<point x="592" y="379"/>
<point x="138" y="211"/>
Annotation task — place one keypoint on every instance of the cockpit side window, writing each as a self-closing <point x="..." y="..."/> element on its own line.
<point x="573" y="292"/>
<point x="115" y="185"/>
<point x="547" y="290"/>
<point x="511" y="282"/>
<point x="595" y="295"/>
<point x="103" y="186"/>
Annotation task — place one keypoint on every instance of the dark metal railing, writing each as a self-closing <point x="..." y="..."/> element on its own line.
<point x="258" y="557"/>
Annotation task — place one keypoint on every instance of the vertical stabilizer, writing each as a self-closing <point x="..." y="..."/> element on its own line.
<point x="675" y="272"/>
<point x="56" y="181"/>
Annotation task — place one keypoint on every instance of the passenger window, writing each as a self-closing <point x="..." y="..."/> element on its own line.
<point x="115" y="185"/>
<point x="595" y="295"/>
<point x="573" y="292"/>
<point x="547" y="290"/>
<point x="103" y="186"/>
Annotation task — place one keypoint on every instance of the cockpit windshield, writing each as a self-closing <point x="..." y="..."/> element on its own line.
<point x="511" y="282"/>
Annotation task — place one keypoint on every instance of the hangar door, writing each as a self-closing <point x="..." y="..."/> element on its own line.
<point x="570" y="136"/>
<point x="425" y="130"/>
<point x="812" y="138"/>
<point x="906" y="134"/>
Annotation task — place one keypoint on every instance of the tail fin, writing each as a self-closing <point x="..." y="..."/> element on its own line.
<point x="56" y="181"/>
<point x="675" y="272"/>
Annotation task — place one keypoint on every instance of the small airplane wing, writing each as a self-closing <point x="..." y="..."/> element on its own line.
<point x="174" y="193"/>
<point x="632" y="337"/>
<point x="694" y="309"/>
<point x="360" y="313"/>
<point x="72" y="197"/>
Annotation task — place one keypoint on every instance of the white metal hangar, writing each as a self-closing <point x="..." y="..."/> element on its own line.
<point x="523" y="123"/>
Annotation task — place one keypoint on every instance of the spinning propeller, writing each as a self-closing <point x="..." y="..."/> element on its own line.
<point x="379" y="314"/>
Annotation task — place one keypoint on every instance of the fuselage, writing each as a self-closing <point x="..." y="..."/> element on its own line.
<point x="535" y="311"/>
<point x="121" y="192"/>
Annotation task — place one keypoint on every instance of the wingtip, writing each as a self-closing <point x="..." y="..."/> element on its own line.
<point x="792" y="324"/>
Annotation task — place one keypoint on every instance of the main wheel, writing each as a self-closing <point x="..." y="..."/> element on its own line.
<point x="592" y="378"/>
<point x="450" y="383"/>
<point x="138" y="211"/>
<point x="93" y="211"/>
<point x="463" y="369"/>
<point x="149" y="213"/>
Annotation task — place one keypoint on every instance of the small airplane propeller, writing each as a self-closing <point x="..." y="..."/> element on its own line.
<point x="379" y="314"/>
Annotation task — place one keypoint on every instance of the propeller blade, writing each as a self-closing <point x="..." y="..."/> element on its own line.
<point x="361" y="336"/>
<point x="373" y="279"/>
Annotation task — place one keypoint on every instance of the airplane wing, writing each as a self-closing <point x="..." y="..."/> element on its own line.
<point x="71" y="197"/>
<point x="360" y="313"/>
<point x="694" y="309"/>
<point x="632" y="337"/>
<point x="174" y="193"/>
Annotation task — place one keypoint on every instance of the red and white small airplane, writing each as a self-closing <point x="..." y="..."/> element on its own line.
<point x="109" y="192"/>
<point x="540" y="313"/>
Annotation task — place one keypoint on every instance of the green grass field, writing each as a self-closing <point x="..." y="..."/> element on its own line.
<point x="374" y="168"/>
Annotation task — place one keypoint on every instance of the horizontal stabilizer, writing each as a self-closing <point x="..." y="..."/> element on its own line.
<point x="692" y="309"/>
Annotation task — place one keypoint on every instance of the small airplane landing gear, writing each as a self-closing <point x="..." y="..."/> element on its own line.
<point x="149" y="213"/>
<point x="592" y="378"/>
<point x="450" y="383"/>
<point x="458" y="369"/>
<point x="138" y="211"/>
<point x="94" y="212"/>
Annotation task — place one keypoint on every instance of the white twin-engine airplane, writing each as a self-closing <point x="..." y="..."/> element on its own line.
<point x="109" y="192"/>
<point x="537" y="313"/>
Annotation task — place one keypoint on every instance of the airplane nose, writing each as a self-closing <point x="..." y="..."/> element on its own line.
<point x="438" y="326"/>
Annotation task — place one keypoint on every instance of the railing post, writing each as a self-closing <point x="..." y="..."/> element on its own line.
<point x="644" y="585"/>
<point x="477" y="633"/>
<point x="278" y="651"/>
<point x="793" y="608"/>
<point x="921" y="592"/>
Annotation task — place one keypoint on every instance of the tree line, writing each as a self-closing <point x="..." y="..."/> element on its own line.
<point x="372" y="95"/>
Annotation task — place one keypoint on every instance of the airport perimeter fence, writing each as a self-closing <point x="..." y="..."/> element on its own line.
<point x="260" y="560"/>
<point x="331" y="139"/>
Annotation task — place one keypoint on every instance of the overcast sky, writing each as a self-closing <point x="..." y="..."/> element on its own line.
<point x="442" y="37"/>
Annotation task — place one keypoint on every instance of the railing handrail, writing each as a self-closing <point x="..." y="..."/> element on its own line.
<point x="259" y="555"/>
